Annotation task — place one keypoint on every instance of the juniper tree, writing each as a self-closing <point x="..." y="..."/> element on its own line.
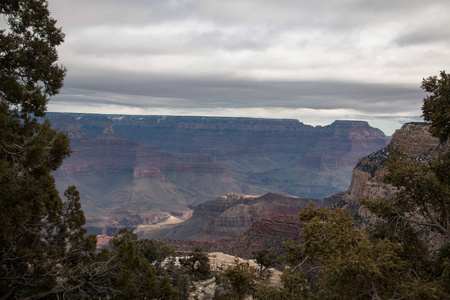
<point x="42" y="241"/>
<point x="436" y="106"/>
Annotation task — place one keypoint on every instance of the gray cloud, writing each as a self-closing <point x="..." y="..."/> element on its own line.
<point x="350" y="59"/>
<point x="215" y="92"/>
<point x="435" y="33"/>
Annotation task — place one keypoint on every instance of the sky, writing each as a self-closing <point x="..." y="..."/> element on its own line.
<point x="315" y="61"/>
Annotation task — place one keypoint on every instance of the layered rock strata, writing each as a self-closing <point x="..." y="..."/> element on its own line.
<point x="413" y="140"/>
<point x="232" y="215"/>
<point x="132" y="169"/>
<point x="267" y="233"/>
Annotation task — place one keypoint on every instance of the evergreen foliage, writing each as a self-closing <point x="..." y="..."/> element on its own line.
<point x="242" y="279"/>
<point x="351" y="266"/>
<point x="197" y="264"/>
<point x="41" y="238"/>
<point x="436" y="107"/>
<point x="44" y="249"/>
<point x="265" y="258"/>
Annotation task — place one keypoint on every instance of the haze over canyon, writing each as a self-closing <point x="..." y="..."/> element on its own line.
<point x="135" y="170"/>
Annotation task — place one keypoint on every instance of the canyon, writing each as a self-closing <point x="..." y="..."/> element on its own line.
<point x="239" y="224"/>
<point x="142" y="170"/>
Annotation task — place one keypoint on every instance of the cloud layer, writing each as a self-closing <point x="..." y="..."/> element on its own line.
<point x="312" y="60"/>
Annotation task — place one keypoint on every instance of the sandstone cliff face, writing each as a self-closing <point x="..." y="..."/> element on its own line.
<point x="130" y="169"/>
<point x="413" y="139"/>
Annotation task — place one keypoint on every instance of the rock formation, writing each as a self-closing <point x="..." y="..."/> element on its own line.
<point x="259" y="223"/>
<point x="234" y="214"/>
<point x="267" y="233"/>
<point x="413" y="140"/>
<point x="240" y="224"/>
<point x="203" y="290"/>
<point x="124" y="184"/>
<point x="133" y="170"/>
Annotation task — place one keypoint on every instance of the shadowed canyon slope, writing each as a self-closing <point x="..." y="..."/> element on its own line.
<point x="234" y="214"/>
<point x="266" y="233"/>
<point x="133" y="170"/>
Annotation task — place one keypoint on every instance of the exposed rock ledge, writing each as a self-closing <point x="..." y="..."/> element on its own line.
<point x="414" y="140"/>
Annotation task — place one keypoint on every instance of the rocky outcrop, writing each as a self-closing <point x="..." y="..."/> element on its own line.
<point x="203" y="290"/>
<point x="219" y="262"/>
<point x="413" y="140"/>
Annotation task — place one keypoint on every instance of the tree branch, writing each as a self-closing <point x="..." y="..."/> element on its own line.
<point x="53" y="292"/>
<point x="434" y="224"/>
<point x="300" y="264"/>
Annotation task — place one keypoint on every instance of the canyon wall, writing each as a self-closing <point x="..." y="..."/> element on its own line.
<point x="134" y="170"/>
<point x="413" y="140"/>
<point x="238" y="224"/>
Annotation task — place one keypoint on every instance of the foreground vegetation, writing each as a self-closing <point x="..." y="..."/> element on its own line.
<point x="45" y="252"/>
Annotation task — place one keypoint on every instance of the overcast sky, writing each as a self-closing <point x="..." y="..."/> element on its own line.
<point x="316" y="61"/>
